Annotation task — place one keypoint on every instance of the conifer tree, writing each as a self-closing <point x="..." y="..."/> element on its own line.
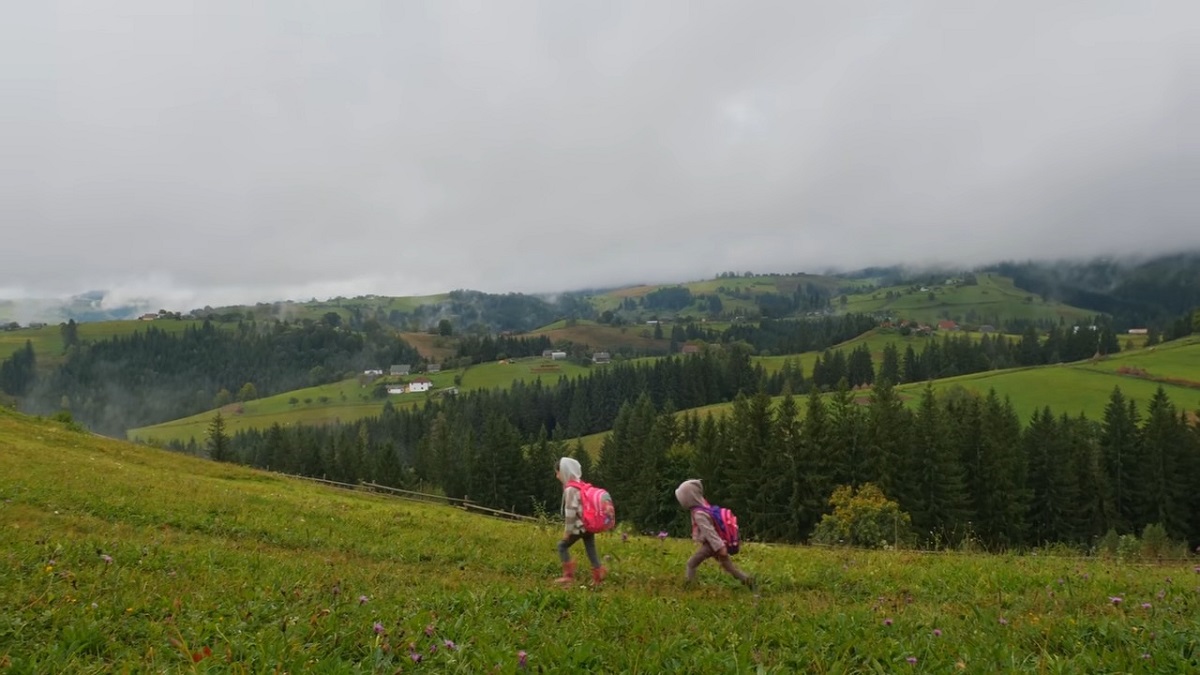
<point x="1052" y="487"/>
<point x="939" y="498"/>
<point x="847" y="439"/>
<point x="218" y="440"/>
<point x="1121" y="452"/>
<point x="889" y="366"/>
<point x="1162" y="493"/>
<point x="812" y="480"/>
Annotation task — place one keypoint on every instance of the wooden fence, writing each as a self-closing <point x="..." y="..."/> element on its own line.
<point x="413" y="495"/>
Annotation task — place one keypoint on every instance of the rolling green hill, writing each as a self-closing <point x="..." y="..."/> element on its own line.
<point x="992" y="300"/>
<point x="120" y="558"/>
<point x="48" y="343"/>
<point x="350" y="400"/>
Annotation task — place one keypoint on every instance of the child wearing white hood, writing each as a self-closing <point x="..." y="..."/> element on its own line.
<point x="690" y="494"/>
<point x="567" y="471"/>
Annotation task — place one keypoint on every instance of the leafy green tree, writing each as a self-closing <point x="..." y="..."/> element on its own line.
<point x="864" y="517"/>
<point x="247" y="392"/>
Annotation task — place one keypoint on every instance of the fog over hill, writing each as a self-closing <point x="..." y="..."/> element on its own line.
<point x="232" y="152"/>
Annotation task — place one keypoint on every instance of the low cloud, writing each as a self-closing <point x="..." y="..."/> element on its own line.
<point x="232" y="152"/>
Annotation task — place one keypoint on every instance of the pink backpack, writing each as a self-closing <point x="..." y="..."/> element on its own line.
<point x="726" y="525"/>
<point x="599" y="514"/>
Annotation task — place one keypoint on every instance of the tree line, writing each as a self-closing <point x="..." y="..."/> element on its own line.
<point x="153" y="375"/>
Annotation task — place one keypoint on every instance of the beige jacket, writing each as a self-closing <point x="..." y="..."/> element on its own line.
<point x="690" y="495"/>
<point x="572" y="507"/>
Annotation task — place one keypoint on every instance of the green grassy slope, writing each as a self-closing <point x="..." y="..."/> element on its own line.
<point x="48" y="345"/>
<point x="120" y="558"/>
<point x="349" y="400"/>
<point x="992" y="301"/>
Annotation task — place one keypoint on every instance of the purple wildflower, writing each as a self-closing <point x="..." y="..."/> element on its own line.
<point x="1145" y="605"/>
<point x="887" y="621"/>
<point x="937" y="632"/>
<point x="433" y="648"/>
<point x="1003" y="621"/>
<point x="1145" y="656"/>
<point x="378" y="628"/>
<point x="429" y="630"/>
<point x="1116" y="599"/>
<point x="449" y="644"/>
<point x="416" y="657"/>
<point x="662" y="535"/>
<point x="912" y="660"/>
<point x="362" y="599"/>
<point x="106" y="558"/>
<point x="521" y="658"/>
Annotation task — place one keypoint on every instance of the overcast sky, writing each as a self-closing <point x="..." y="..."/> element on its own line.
<point x="246" y="150"/>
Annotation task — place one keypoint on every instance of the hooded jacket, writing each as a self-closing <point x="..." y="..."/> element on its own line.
<point x="572" y="504"/>
<point x="690" y="495"/>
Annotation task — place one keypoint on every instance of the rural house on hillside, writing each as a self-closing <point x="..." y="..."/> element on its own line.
<point x="402" y="369"/>
<point x="601" y="357"/>
<point x="420" y="384"/>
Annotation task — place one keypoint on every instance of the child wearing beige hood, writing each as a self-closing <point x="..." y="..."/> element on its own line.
<point x="690" y="494"/>
<point x="567" y="471"/>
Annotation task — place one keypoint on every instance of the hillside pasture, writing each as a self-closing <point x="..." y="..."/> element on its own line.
<point x="48" y="344"/>
<point x="351" y="399"/>
<point x="600" y="337"/>
<point x="121" y="558"/>
<point x="993" y="300"/>
<point x="436" y="348"/>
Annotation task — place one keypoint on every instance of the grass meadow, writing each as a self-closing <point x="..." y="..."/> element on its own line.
<point x="993" y="300"/>
<point x="48" y="345"/>
<point x="350" y="399"/>
<point x="121" y="558"/>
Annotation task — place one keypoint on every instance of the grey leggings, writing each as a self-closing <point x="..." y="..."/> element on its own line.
<point x="589" y="545"/>
<point x="704" y="553"/>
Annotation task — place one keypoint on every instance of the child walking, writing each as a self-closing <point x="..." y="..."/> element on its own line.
<point x="569" y="470"/>
<point x="690" y="494"/>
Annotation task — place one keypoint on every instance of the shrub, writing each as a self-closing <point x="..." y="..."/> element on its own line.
<point x="865" y="518"/>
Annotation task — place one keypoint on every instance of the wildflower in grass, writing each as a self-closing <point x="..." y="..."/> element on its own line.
<point x="624" y="537"/>
<point x="937" y="632"/>
<point x="912" y="660"/>
<point x="522" y="657"/>
<point x="449" y="644"/>
<point x="662" y="536"/>
<point x="1003" y="621"/>
<point x="378" y="628"/>
<point x="433" y="648"/>
<point x="1116" y="600"/>
<point x="1145" y="605"/>
<point x="415" y="656"/>
<point x="1145" y="656"/>
<point x="1161" y="594"/>
<point x="429" y="630"/>
<point x="106" y="558"/>
<point x="362" y="599"/>
<point x="887" y="621"/>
